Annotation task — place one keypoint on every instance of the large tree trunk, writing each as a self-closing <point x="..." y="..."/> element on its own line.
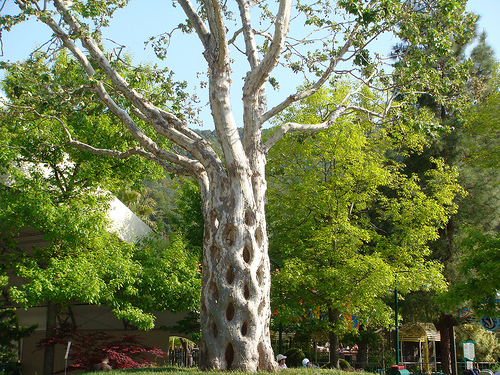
<point x="236" y="282"/>
<point x="448" y="358"/>
<point x="235" y="306"/>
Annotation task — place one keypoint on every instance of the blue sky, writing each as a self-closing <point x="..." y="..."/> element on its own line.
<point x="137" y="23"/>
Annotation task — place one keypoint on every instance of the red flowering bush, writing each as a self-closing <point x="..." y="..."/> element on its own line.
<point x="89" y="348"/>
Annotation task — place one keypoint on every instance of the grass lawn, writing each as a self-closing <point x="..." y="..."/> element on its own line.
<point x="195" y="371"/>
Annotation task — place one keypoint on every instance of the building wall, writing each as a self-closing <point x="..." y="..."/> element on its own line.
<point x="32" y="358"/>
<point x="88" y="318"/>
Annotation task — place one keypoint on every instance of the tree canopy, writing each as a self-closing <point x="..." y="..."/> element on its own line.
<point x="321" y="41"/>
<point x="60" y="193"/>
<point x="360" y="221"/>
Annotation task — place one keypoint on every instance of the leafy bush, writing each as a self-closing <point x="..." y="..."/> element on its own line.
<point x="90" y="348"/>
<point x="487" y="345"/>
<point x="10" y="333"/>
<point x="343" y="364"/>
<point x="294" y="357"/>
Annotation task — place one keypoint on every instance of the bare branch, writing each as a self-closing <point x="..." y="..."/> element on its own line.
<point x="252" y="3"/>
<point x="321" y="81"/>
<point x="190" y="165"/>
<point x="199" y="25"/>
<point x="155" y="118"/>
<point x="340" y="109"/>
<point x="186" y="166"/>
<point x="131" y="152"/>
<point x="235" y="35"/>
<point x="293" y="126"/>
<point x="99" y="87"/>
<point x="248" y="33"/>
<point x="223" y="52"/>
<point x="259" y="75"/>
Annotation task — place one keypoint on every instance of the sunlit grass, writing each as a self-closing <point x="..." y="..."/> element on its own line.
<point x="195" y="371"/>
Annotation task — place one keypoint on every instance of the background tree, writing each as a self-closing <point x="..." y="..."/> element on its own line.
<point x="235" y="321"/>
<point x="60" y="193"/>
<point x="487" y="347"/>
<point x="86" y="263"/>
<point x="479" y="208"/>
<point x="481" y="123"/>
<point x="479" y="287"/>
<point x="358" y="222"/>
<point x="10" y="335"/>
<point x="477" y="284"/>
<point x="187" y="216"/>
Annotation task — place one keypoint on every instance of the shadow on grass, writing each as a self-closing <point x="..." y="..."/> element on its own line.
<point x="195" y="371"/>
<point x="152" y="370"/>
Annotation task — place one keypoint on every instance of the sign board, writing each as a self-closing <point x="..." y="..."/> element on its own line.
<point x="489" y="324"/>
<point x="469" y="351"/>
<point x="67" y="350"/>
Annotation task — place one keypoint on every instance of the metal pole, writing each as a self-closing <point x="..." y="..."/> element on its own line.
<point x="454" y="348"/>
<point x="280" y="339"/>
<point x="396" y="319"/>
<point x="66" y="358"/>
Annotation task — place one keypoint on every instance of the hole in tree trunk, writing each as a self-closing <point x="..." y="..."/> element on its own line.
<point x="215" y="219"/>
<point x="260" y="276"/>
<point x="249" y="217"/>
<point x="259" y="237"/>
<point x="261" y="307"/>
<point x="214" y="254"/>
<point x="229" y="356"/>
<point x="214" y="291"/>
<point x="244" y="329"/>
<point x="247" y="255"/>
<point x="230" y="274"/>
<point x="214" y="330"/>
<point x="246" y="292"/>
<point x="230" y="311"/>
<point x="230" y="235"/>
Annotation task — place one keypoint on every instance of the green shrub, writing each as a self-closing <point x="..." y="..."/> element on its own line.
<point x="294" y="357"/>
<point x="343" y="364"/>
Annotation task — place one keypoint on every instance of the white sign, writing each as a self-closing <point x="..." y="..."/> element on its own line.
<point x="469" y="352"/>
<point x="67" y="350"/>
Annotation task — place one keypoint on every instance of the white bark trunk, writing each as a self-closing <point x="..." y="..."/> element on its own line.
<point x="235" y="302"/>
<point x="235" y="295"/>
<point x="235" y="305"/>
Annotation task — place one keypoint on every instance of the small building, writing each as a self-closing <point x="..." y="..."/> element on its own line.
<point x="417" y="344"/>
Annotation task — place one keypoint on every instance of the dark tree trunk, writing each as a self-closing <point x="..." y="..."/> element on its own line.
<point x="49" y="350"/>
<point x="362" y="357"/>
<point x="333" y="318"/>
<point x="445" y="326"/>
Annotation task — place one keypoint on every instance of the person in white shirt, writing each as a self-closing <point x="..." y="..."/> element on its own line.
<point x="281" y="360"/>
